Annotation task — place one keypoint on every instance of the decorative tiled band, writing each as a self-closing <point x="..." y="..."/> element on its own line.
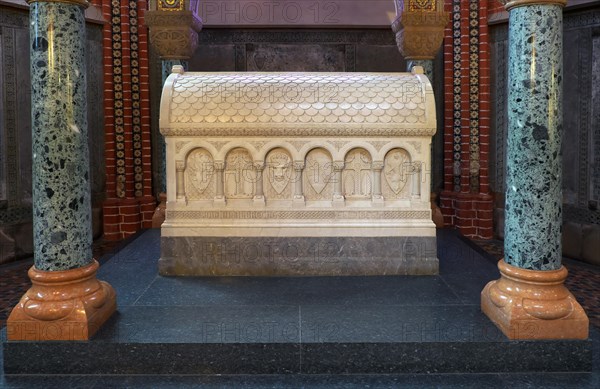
<point x="474" y="96"/>
<point x="11" y="155"/>
<point x="136" y="116"/>
<point x="456" y="93"/>
<point x="119" y="116"/>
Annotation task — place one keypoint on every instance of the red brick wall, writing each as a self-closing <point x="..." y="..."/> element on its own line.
<point x="466" y="201"/>
<point x="495" y="6"/>
<point x="129" y="205"/>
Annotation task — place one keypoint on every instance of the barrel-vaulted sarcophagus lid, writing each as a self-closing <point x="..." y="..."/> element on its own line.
<point x="297" y="104"/>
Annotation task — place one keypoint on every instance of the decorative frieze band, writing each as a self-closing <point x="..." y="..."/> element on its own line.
<point x="298" y="215"/>
<point x="289" y="131"/>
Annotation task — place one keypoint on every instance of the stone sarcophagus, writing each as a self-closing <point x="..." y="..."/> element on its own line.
<point x="297" y="174"/>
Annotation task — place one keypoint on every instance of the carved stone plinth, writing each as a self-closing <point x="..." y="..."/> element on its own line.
<point x="62" y="305"/>
<point x="419" y="35"/>
<point x="533" y="304"/>
<point x="174" y="34"/>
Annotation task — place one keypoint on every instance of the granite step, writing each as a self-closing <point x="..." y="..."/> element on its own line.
<point x="286" y="339"/>
<point x="298" y="325"/>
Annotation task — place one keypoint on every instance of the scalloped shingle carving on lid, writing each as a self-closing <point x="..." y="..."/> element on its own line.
<point x="296" y="100"/>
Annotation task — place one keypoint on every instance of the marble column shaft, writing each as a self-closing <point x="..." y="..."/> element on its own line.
<point x="298" y="191"/>
<point x="219" y="168"/>
<point x="259" y="168"/>
<point x="338" y="187"/>
<point x="180" y="177"/>
<point x="61" y="189"/>
<point x="377" y="170"/>
<point x="534" y="175"/>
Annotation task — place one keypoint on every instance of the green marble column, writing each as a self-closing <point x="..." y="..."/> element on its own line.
<point x="534" y="167"/>
<point x="66" y="301"/>
<point x="530" y="300"/>
<point x="61" y="188"/>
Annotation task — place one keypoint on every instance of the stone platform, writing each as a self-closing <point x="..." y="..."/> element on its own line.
<point x="299" y="325"/>
<point x="298" y="256"/>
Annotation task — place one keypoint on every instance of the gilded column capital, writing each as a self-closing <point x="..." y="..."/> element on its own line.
<point x="420" y="32"/>
<point x="81" y="3"/>
<point x="173" y="33"/>
<point x="510" y="4"/>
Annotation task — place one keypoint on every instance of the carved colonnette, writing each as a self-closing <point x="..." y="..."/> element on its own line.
<point x="298" y="174"/>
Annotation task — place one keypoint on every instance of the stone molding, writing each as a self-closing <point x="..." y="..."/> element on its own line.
<point x="297" y="131"/>
<point x="508" y="4"/>
<point x="81" y="3"/>
<point x="300" y="215"/>
<point x="348" y="37"/>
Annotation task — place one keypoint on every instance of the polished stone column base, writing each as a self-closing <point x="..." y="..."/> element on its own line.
<point x="159" y="214"/>
<point x="62" y="305"/>
<point x="532" y="304"/>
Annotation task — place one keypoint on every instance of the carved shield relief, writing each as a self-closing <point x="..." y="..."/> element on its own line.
<point x="318" y="173"/>
<point x="279" y="173"/>
<point x="199" y="174"/>
<point x="396" y="172"/>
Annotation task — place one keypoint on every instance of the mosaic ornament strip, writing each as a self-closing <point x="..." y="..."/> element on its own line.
<point x="119" y="116"/>
<point x="136" y="115"/>
<point x="11" y="155"/>
<point x="170" y="5"/>
<point x="456" y="93"/>
<point x="422" y="5"/>
<point x="474" y="95"/>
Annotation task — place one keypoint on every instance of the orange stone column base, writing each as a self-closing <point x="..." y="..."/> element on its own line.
<point x="159" y="213"/>
<point x="533" y="304"/>
<point x="62" y="305"/>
